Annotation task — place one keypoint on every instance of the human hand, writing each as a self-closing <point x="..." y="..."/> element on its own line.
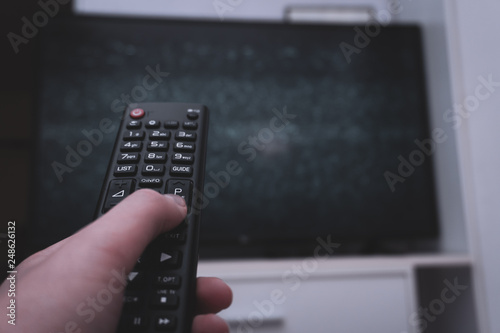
<point x="52" y="284"/>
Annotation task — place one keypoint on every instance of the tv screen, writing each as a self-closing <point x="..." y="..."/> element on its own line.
<point x="315" y="130"/>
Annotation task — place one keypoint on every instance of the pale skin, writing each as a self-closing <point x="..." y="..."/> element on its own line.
<point x="51" y="284"/>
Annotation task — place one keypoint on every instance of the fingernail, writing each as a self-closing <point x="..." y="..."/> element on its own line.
<point x="177" y="199"/>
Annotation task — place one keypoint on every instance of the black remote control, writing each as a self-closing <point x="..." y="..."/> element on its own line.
<point x="160" y="146"/>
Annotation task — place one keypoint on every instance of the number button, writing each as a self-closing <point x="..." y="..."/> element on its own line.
<point x="159" y="135"/>
<point x="133" y="135"/>
<point x="155" y="157"/>
<point x="151" y="169"/>
<point x="157" y="146"/>
<point x="184" y="147"/>
<point x="183" y="158"/>
<point x="185" y="136"/>
<point x="131" y="146"/>
<point x="129" y="158"/>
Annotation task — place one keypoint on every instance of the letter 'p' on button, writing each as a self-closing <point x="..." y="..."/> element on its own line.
<point x="137" y="113"/>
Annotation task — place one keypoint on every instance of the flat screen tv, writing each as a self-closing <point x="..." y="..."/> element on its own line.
<point x="316" y="131"/>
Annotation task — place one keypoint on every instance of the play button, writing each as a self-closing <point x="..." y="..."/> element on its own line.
<point x="170" y="259"/>
<point x="164" y="257"/>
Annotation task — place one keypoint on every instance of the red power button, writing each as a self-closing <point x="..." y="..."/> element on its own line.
<point x="137" y="113"/>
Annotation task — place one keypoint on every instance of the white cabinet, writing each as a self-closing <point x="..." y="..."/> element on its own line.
<point x="400" y="295"/>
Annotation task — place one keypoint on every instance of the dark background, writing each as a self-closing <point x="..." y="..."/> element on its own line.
<point x="17" y="84"/>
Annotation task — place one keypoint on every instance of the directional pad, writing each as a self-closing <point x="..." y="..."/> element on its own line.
<point x="169" y="259"/>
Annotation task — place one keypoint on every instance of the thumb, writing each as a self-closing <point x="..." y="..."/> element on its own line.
<point x="126" y="230"/>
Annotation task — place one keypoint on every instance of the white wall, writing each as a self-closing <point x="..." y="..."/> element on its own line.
<point x="477" y="53"/>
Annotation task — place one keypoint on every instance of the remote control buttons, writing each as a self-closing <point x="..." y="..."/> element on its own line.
<point x="181" y="188"/>
<point x="125" y="170"/>
<point x="185" y="136"/>
<point x="157" y="151"/>
<point x="184" y="147"/>
<point x="150" y="182"/>
<point x="170" y="259"/>
<point x="174" y="237"/>
<point x="165" y="323"/>
<point x="153" y="170"/>
<point x="183" y="158"/>
<point x="165" y="299"/>
<point x="137" y="113"/>
<point x="135" y="323"/>
<point x="158" y="146"/>
<point x="160" y="135"/>
<point x="117" y="190"/>
<point x="136" y="280"/>
<point x="192" y="125"/>
<point x="155" y="157"/>
<point x="181" y="170"/>
<point x="193" y="113"/>
<point x="133" y="135"/>
<point x="134" y="124"/>
<point x="172" y="124"/>
<point x="128" y="158"/>
<point x="153" y="124"/>
<point x="167" y="280"/>
<point x="131" y="146"/>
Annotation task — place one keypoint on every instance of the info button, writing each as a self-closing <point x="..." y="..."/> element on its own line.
<point x="150" y="182"/>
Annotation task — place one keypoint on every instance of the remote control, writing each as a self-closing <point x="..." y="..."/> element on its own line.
<point x="160" y="146"/>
